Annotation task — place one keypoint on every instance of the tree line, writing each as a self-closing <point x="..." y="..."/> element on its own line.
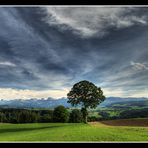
<point x="62" y="114"/>
<point x="59" y="114"/>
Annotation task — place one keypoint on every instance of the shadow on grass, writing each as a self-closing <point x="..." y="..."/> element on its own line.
<point x="27" y="129"/>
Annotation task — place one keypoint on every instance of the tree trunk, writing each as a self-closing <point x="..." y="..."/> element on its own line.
<point x="85" y="120"/>
<point x="84" y="112"/>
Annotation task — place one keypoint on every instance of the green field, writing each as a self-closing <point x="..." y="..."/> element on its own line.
<point x="96" y="131"/>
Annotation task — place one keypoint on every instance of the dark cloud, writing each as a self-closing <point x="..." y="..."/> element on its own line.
<point x="37" y="54"/>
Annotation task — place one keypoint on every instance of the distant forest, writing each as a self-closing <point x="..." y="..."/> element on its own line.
<point x="47" y="116"/>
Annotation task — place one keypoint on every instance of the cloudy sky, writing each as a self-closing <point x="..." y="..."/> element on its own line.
<point x="45" y="50"/>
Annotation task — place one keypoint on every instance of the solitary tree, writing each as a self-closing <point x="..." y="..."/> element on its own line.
<point x="87" y="95"/>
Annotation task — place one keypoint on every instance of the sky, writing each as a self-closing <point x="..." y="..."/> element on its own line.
<point x="45" y="50"/>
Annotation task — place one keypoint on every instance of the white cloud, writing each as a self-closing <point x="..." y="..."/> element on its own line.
<point x="90" y="21"/>
<point x="121" y="92"/>
<point x="9" y="93"/>
<point x="139" y="66"/>
<point x="118" y="92"/>
<point x="137" y="94"/>
<point x="7" y="63"/>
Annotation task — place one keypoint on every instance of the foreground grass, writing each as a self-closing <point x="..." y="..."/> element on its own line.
<point x="72" y="132"/>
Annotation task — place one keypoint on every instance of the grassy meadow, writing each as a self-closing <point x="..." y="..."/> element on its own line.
<point x="104" y="131"/>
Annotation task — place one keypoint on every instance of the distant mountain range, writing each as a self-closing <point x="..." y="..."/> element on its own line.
<point x="51" y="102"/>
<point x="34" y="103"/>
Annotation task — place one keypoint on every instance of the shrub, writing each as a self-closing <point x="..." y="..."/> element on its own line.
<point x="105" y="115"/>
<point x="46" y="116"/>
<point x="76" y="116"/>
<point x="3" y="117"/>
<point x="92" y="118"/>
<point x="60" y="114"/>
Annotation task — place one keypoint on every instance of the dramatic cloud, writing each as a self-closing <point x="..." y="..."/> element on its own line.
<point x="87" y="21"/>
<point x="45" y="50"/>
